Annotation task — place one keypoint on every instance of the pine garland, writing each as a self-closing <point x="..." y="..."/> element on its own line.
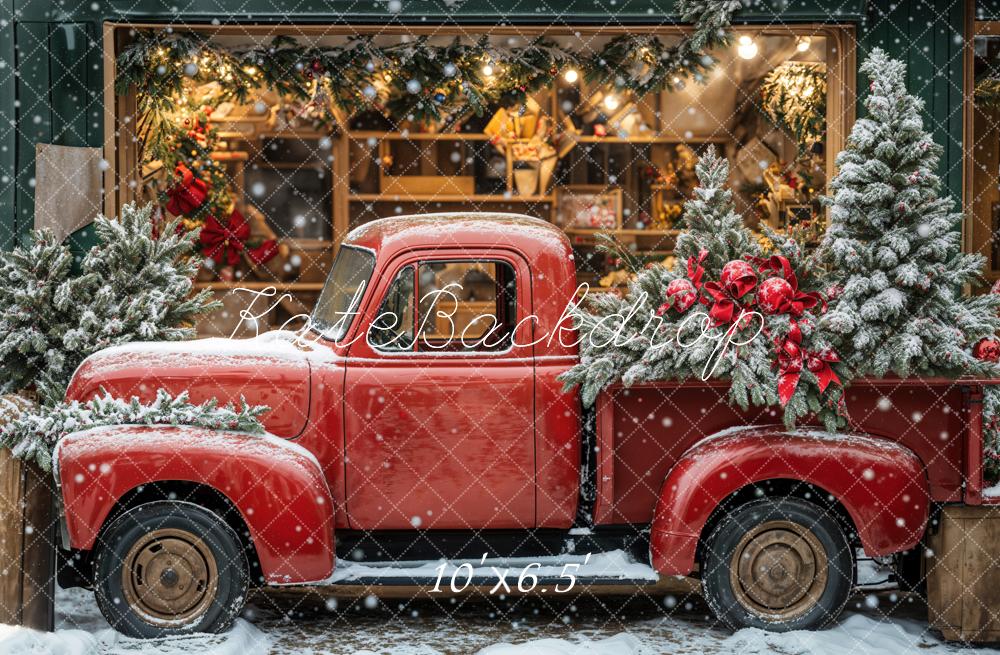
<point x="135" y="285"/>
<point x="31" y="435"/>
<point x="413" y="80"/>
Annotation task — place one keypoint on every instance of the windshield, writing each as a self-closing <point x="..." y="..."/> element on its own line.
<point x="343" y="291"/>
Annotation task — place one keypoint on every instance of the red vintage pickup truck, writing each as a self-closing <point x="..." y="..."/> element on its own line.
<point x="422" y="438"/>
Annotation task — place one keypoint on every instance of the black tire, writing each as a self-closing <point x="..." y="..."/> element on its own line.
<point x="203" y="574"/>
<point x="763" y="566"/>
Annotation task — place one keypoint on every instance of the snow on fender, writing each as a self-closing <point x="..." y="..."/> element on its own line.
<point x="882" y="485"/>
<point x="277" y="486"/>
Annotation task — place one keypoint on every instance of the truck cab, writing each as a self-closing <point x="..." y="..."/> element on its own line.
<point x="418" y="430"/>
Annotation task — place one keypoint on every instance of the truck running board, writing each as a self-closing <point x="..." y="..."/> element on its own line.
<point x="550" y="574"/>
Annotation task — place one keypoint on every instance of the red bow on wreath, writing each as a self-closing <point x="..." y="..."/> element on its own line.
<point x="695" y="269"/>
<point x="726" y="296"/>
<point x="792" y="358"/>
<point x="187" y="194"/>
<point x="780" y="294"/>
<point x="224" y="243"/>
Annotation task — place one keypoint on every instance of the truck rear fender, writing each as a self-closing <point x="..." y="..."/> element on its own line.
<point x="881" y="485"/>
<point x="277" y="487"/>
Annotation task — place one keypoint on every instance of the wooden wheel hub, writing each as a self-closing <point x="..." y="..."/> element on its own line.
<point x="170" y="577"/>
<point x="779" y="570"/>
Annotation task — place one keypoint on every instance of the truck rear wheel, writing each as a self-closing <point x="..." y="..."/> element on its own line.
<point x="168" y="568"/>
<point x="777" y="564"/>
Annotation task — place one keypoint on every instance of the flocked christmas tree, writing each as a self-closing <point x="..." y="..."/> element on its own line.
<point x="670" y="322"/>
<point x="136" y="285"/>
<point x="894" y="247"/>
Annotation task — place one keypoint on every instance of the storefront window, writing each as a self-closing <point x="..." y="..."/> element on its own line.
<point x="983" y="166"/>
<point x="591" y="158"/>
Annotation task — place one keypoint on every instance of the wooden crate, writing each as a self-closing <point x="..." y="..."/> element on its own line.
<point x="27" y="537"/>
<point x="963" y="581"/>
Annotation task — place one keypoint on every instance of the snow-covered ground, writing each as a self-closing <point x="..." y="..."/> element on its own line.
<point x="881" y="624"/>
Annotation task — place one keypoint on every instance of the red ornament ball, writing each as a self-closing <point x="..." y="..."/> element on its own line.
<point x="988" y="350"/>
<point x="996" y="287"/>
<point x="773" y="294"/>
<point x="681" y="294"/>
<point x="739" y="273"/>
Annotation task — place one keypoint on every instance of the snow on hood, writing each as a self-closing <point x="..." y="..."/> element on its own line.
<point x="280" y="344"/>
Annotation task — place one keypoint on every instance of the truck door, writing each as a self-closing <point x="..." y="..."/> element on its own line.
<point x="439" y="411"/>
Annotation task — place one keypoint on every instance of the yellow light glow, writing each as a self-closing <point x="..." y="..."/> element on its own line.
<point x="746" y="49"/>
<point x="571" y="75"/>
<point x="488" y="70"/>
<point x="611" y="102"/>
<point x="250" y="70"/>
<point x="803" y="43"/>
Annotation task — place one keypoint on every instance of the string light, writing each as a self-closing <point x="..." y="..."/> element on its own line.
<point x="488" y="70"/>
<point x="746" y="49"/>
<point x="571" y="75"/>
<point x="802" y="43"/>
<point x="611" y="102"/>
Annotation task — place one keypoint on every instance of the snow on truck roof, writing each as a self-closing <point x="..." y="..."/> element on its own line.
<point x="459" y="229"/>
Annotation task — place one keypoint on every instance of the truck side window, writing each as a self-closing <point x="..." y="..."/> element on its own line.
<point x="466" y="306"/>
<point x="392" y="329"/>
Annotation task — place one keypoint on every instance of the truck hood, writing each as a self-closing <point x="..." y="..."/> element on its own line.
<point x="268" y="370"/>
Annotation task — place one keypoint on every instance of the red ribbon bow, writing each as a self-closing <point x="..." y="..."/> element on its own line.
<point x="225" y="242"/>
<point x="792" y="358"/>
<point x="726" y="299"/>
<point x="263" y="253"/>
<point x="799" y="301"/>
<point x="695" y="269"/>
<point x="187" y="194"/>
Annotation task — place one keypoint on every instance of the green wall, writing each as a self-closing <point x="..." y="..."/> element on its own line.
<point x="51" y="78"/>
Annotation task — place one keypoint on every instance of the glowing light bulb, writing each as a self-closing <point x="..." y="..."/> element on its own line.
<point x="611" y="102"/>
<point x="803" y="43"/>
<point x="746" y="49"/>
<point x="571" y="75"/>
<point x="488" y="70"/>
<point x="806" y="92"/>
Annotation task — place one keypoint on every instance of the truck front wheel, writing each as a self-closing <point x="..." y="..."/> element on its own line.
<point x="168" y="568"/>
<point x="777" y="564"/>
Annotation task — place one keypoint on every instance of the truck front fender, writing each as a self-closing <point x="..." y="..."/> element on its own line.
<point x="881" y="484"/>
<point x="278" y="488"/>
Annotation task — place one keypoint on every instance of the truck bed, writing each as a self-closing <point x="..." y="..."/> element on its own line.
<point x="642" y="430"/>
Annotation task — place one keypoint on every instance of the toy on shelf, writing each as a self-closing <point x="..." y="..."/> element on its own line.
<point x="589" y="207"/>
<point x="532" y="145"/>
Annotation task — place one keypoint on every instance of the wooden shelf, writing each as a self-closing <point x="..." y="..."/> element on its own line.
<point x="417" y="136"/>
<point x="650" y="139"/>
<point x="478" y="136"/>
<point x="219" y="285"/>
<point x="436" y="197"/>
